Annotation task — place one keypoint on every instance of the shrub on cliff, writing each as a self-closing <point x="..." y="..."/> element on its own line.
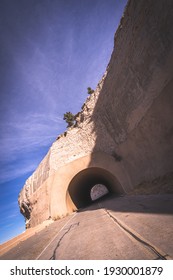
<point x="69" y="118"/>
<point x="90" y="90"/>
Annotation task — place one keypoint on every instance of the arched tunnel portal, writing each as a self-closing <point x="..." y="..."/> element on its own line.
<point x="79" y="189"/>
<point x="70" y="186"/>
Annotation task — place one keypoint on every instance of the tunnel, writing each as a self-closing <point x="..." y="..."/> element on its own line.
<point x="79" y="189"/>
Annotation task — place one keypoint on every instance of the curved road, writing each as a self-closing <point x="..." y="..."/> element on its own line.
<point x="124" y="228"/>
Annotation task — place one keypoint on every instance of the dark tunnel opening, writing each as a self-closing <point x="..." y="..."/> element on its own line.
<point x="81" y="185"/>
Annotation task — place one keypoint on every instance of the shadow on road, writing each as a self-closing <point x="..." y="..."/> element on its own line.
<point x="158" y="204"/>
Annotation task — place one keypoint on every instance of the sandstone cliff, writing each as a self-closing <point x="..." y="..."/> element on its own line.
<point x="123" y="136"/>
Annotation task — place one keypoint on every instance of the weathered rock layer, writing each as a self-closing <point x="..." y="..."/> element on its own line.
<point x="124" y="134"/>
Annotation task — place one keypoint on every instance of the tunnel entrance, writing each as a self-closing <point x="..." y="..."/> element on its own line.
<point x="79" y="189"/>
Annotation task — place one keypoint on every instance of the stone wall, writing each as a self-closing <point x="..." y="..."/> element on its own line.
<point x="136" y="102"/>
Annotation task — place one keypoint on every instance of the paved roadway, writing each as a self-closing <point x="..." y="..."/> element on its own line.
<point x="124" y="228"/>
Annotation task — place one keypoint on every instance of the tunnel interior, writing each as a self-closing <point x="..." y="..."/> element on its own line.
<point x="79" y="189"/>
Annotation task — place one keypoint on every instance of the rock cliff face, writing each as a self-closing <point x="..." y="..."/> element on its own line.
<point x="123" y="136"/>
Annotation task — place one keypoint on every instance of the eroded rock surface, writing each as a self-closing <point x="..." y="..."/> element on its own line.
<point x="127" y="121"/>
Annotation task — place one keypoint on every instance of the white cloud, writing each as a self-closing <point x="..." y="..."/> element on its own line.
<point x="21" y="138"/>
<point x="9" y="206"/>
<point x="9" y="173"/>
<point x="28" y="133"/>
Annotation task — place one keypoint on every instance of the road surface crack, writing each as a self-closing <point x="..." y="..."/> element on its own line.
<point x="61" y="238"/>
<point x="145" y="243"/>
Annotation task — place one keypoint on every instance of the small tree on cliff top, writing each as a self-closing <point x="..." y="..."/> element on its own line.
<point x="69" y="118"/>
<point x="90" y="90"/>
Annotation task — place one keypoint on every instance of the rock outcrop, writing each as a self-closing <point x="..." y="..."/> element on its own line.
<point x="124" y="134"/>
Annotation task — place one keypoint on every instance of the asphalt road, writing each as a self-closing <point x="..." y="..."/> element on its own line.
<point x="124" y="228"/>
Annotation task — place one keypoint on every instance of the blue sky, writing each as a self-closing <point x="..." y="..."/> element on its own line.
<point x="50" y="52"/>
